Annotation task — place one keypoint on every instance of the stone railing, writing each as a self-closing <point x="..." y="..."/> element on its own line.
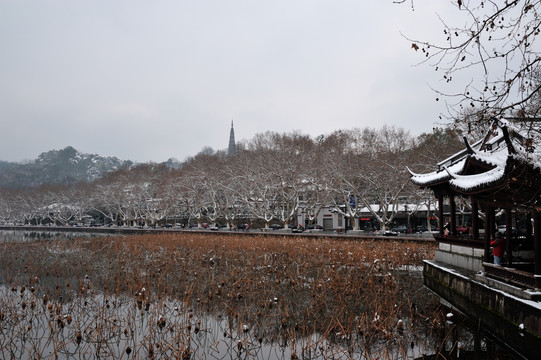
<point x="513" y="276"/>
<point x="463" y="240"/>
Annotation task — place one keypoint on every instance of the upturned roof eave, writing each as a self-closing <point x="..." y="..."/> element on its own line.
<point x="438" y="177"/>
<point x="470" y="185"/>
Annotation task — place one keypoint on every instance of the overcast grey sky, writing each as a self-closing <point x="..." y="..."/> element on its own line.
<point x="150" y="80"/>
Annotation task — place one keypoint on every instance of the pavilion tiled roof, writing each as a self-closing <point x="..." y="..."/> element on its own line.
<point x="493" y="153"/>
<point x="439" y="176"/>
<point x="470" y="183"/>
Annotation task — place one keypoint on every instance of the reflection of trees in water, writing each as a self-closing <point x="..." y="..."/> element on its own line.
<point x="305" y="295"/>
<point x="25" y="236"/>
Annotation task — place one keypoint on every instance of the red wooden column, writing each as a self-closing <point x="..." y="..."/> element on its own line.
<point x="474" y="219"/>
<point x="452" y="209"/>
<point x="489" y="226"/>
<point x="537" y="246"/>
<point x="509" y="235"/>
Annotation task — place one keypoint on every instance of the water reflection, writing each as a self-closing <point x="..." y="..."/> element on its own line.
<point x="204" y="297"/>
<point x="101" y="326"/>
<point x="29" y="235"/>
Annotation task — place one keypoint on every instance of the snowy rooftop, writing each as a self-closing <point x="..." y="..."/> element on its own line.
<point x="493" y="152"/>
<point x="438" y="176"/>
<point x="528" y="144"/>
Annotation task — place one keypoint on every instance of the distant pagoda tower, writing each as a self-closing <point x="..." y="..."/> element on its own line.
<point x="232" y="149"/>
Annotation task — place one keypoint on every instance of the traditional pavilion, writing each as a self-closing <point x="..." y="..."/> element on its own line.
<point x="499" y="177"/>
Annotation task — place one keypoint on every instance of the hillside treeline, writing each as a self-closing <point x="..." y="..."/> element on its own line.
<point x="268" y="180"/>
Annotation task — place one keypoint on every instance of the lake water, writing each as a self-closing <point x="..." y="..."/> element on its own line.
<point x="68" y="314"/>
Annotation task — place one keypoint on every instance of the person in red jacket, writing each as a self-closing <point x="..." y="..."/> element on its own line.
<point x="498" y="244"/>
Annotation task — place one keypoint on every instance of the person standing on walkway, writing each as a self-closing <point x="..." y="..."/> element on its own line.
<point x="498" y="246"/>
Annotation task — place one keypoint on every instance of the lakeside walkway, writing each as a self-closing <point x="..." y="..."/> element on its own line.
<point x="350" y="235"/>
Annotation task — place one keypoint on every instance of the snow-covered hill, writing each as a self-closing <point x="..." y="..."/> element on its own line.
<point x="58" y="167"/>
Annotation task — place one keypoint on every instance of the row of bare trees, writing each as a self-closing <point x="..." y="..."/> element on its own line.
<point x="269" y="178"/>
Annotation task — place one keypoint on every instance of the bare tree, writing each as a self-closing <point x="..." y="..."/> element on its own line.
<point x="271" y="175"/>
<point x="431" y="148"/>
<point x="193" y="191"/>
<point x="213" y="181"/>
<point x="368" y="172"/>
<point x="290" y="165"/>
<point x="257" y="191"/>
<point x="116" y="197"/>
<point x="385" y="177"/>
<point x="104" y="200"/>
<point x="488" y="57"/>
<point x="8" y="207"/>
<point x="60" y="208"/>
<point x="341" y="178"/>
